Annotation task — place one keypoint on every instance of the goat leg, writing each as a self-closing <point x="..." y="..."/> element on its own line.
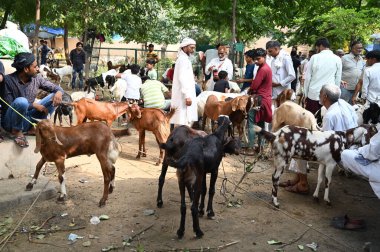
<point x="143" y="143"/>
<point x="194" y="207"/>
<point x="211" y="193"/>
<point x="39" y="165"/>
<point x="107" y="175"/>
<point x="71" y="118"/>
<point x="181" y="184"/>
<point x="329" y="170"/>
<point x="112" y="183"/>
<point x="201" y="210"/>
<point x="275" y="181"/>
<point x="161" y="182"/>
<point x="320" y="180"/>
<point x="61" y="177"/>
<point x="161" y="152"/>
<point x="55" y="116"/>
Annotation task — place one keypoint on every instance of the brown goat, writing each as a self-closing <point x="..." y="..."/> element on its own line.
<point x="58" y="143"/>
<point x="102" y="111"/>
<point x="155" y="120"/>
<point x="214" y="108"/>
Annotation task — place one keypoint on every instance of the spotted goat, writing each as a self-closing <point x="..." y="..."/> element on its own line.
<point x="323" y="147"/>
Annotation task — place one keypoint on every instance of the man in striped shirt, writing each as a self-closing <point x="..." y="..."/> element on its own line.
<point x="154" y="92"/>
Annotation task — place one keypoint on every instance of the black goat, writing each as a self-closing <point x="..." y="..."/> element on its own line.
<point x="64" y="109"/>
<point x="199" y="156"/>
<point x="110" y="80"/>
<point x="372" y="113"/>
<point x="93" y="83"/>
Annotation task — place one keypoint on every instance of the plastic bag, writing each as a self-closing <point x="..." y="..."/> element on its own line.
<point x="10" y="47"/>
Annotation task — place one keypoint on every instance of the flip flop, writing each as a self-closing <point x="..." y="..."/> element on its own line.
<point x="21" y="141"/>
<point x="343" y="222"/>
<point x="294" y="189"/>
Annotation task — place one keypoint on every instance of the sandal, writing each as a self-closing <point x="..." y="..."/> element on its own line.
<point x="287" y="183"/>
<point x="343" y="222"/>
<point x="21" y="141"/>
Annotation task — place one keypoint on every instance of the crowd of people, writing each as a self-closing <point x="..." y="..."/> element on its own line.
<point x="324" y="78"/>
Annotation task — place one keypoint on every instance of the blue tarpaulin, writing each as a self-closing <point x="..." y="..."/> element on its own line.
<point x="45" y="31"/>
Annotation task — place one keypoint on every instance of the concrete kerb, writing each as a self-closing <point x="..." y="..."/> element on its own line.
<point x="21" y="163"/>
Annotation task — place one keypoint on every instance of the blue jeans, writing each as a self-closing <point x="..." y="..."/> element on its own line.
<point x="346" y="94"/>
<point x="251" y="131"/>
<point x="80" y="74"/>
<point x="12" y="120"/>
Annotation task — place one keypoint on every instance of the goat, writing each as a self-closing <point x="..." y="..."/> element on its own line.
<point x="214" y="108"/>
<point x="372" y="113"/>
<point x="155" y="120"/>
<point x="102" y="111"/>
<point x="323" y="147"/>
<point x="76" y="96"/>
<point x="199" y="156"/>
<point x="202" y="98"/>
<point x="44" y="70"/>
<point x="285" y="95"/>
<point x="118" y="89"/>
<point x="93" y="83"/>
<point x="64" y="109"/>
<point x="290" y="113"/>
<point x="62" y="72"/>
<point x="58" y="143"/>
<point x="173" y="145"/>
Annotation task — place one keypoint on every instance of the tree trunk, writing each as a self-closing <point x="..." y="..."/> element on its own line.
<point x="5" y="18"/>
<point x="233" y="40"/>
<point x="66" y="42"/>
<point x="37" y="27"/>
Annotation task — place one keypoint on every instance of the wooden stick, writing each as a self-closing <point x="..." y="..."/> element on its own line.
<point x="294" y="240"/>
<point x="43" y="224"/>
<point x="142" y="231"/>
<point x="46" y="243"/>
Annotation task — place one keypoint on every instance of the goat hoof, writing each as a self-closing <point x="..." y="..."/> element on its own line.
<point x="199" y="234"/>
<point x="144" y="155"/>
<point x="138" y="157"/>
<point x="29" y="187"/>
<point x="160" y="203"/>
<point x="316" y="199"/>
<point x="201" y="213"/>
<point x="211" y="215"/>
<point x="61" y="199"/>
<point x="102" y="203"/>
<point x="328" y="203"/>
<point x="180" y="233"/>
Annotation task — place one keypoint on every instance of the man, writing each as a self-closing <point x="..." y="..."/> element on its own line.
<point x="371" y="79"/>
<point x="154" y="92"/>
<point x="207" y="57"/>
<point x="339" y="53"/>
<point x="260" y="86"/>
<point x="19" y="90"/>
<point x="151" y="54"/>
<point x="150" y="71"/>
<point x="249" y="70"/>
<point x="352" y="69"/>
<point x="296" y="64"/>
<point x="324" y="68"/>
<point x="44" y="50"/>
<point x="365" y="162"/>
<point x="340" y="116"/>
<point x="218" y="64"/>
<point x="167" y="77"/>
<point x="183" y="91"/>
<point x="77" y="59"/>
<point x="282" y="68"/>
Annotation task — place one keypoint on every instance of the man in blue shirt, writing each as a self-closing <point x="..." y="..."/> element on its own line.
<point x="249" y="69"/>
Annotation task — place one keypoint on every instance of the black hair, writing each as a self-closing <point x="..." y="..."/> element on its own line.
<point x="272" y="44"/>
<point x="144" y="78"/>
<point x="23" y="60"/>
<point x="135" y="69"/>
<point x="293" y="53"/>
<point x="249" y="53"/>
<point x="151" y="61"/>
<point x="375" y="54"/>
<point x="322" y="42"/>
<point x="355" y="42"/>
<point x="79" y="43"/>
<point x="173" y="65"/>
<point x="222" y="75"/>
<point x="259" y="52"/>
<point x="150" y="45"/>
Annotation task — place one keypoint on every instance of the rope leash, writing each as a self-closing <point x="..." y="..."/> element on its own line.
<point x="32" y="123"/>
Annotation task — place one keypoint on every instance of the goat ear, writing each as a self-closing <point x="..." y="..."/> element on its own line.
<point x="56" y="139"/>
<point x="234" y="104"/>
<point x="38" y="140"/>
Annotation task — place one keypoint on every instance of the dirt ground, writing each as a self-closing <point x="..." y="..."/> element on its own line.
<point x="251" y="224"/>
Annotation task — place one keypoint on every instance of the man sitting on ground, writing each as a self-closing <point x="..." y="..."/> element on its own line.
<point x="19" y="90"/>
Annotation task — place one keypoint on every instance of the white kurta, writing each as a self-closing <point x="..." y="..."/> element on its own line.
<point x="365" y="162"/>
<point x="183" y="87"/>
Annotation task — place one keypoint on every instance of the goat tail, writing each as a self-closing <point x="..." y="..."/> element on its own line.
<point x="170" y="114"/>
<point x="113" y="151"/>
<point x="269" y="136"/>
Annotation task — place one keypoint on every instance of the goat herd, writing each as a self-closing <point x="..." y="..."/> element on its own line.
<point x="193" y="152"/>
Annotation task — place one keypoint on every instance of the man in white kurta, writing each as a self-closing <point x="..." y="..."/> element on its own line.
<point x="365" y="162"/>
<point x="221" y="63"/>
<point x="183" y="90"/>
<point x="371" y="79"/>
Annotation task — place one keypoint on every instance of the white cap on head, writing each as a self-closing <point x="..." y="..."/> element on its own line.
<point x="186" y="42"/>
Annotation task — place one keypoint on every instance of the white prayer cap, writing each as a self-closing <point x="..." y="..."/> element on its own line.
<point x="186" y="42"/>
